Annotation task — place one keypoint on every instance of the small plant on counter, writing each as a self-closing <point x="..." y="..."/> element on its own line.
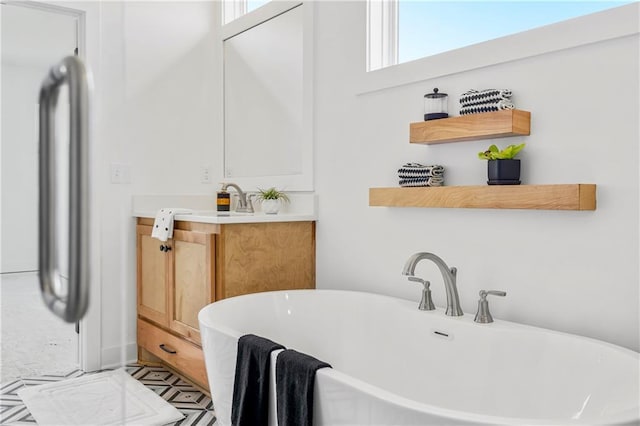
<point x="494" y="153"/>
<point x="272" y="194"/>
<point x="271" y="199"/>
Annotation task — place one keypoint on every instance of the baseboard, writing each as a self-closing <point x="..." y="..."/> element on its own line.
<point x="113" y="357"/>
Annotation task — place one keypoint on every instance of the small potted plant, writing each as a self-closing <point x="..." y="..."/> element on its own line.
<point x="271" y="200"/>
<point x="502" y="168"/>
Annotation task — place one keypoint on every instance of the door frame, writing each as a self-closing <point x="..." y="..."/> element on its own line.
<point x="88" y="16"/>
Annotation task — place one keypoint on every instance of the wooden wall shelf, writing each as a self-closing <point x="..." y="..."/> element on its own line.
<point x="487" y="125"/>
<point x="536" y="197"/>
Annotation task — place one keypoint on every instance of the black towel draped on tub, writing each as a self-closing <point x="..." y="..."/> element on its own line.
<point x="251" y="386"/>
<point x="295" y="378"/>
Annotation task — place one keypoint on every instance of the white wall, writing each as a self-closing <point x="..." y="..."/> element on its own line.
<point x="570" y="271"/>
<point x="19" y="168"/>
<point x="161" y="112"/>
<point x="32" y="40"/>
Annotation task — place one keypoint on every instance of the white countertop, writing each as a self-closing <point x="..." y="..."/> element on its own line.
<point x="211" y="216"/>
<point x="302" y="208"/>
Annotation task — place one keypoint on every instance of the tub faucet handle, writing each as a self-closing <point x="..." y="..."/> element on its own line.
<point x="483" y="316"/>
<point x="426" y="303"/>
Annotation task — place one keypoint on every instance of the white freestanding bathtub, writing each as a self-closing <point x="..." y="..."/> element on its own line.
<point x="396" y="365"/>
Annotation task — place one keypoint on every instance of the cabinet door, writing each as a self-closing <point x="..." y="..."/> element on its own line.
<point x="255" y="257"/>
<point x="152" y="277"/>
<point x="191" y="283"/>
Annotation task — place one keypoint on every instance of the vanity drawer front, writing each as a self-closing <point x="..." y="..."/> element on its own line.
<point x="187" y="359"/>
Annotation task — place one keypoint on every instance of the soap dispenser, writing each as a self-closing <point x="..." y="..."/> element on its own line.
<point x="223" y="201"/>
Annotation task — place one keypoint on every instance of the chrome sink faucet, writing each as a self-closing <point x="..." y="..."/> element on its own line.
<point x="448" y="274"/>
<point x="244" y="205"/>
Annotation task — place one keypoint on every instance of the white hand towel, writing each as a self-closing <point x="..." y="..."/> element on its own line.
<point x="163" y="225"/>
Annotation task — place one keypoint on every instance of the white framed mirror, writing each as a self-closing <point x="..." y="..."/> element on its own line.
<point x="268" y="131"/>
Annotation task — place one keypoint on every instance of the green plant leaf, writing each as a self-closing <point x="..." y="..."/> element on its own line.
<point x="517" y="149"/>
<point x="272" y="194"/>
<point x="494" y="153"/>
<point x="505" y="154"/>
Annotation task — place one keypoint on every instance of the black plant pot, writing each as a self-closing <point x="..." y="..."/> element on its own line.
<point x="503" y="172"/>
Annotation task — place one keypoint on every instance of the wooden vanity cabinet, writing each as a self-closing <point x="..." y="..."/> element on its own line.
<point x="256" y="257"/>
<point x="153" y="277"/>
<point x="203" y="263"/>
<point x="191" y="281"/>
<point x="175" y="281"/>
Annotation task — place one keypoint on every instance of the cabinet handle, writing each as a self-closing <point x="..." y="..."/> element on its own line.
<point x="164" y="348"/>
<point x="164" y="248"/>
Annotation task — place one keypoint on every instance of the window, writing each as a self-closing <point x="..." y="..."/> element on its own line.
<point x="254" y="4"/>
<point x="382" y="33"/>
<point x="233" y="9"/>
<point x="426" y="28"/>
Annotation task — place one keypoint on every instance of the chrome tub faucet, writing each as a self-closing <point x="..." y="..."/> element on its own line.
<point x="448" y="274"/>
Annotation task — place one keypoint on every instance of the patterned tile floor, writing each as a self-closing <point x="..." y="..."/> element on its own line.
<point x="195" y="405"/>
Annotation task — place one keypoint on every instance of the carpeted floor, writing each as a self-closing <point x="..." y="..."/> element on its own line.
<point x="195" y="405"/>
<point x="33" y="341"/>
